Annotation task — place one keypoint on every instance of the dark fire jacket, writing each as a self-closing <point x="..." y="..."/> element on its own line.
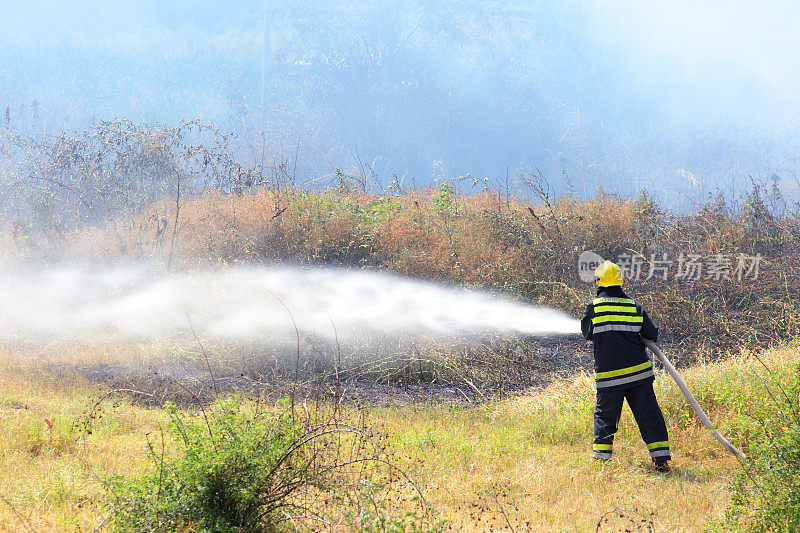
<point x="614" y="323"/>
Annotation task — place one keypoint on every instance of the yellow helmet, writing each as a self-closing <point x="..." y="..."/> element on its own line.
<point x="608" y="274"/>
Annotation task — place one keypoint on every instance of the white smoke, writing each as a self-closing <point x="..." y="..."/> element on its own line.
<point x="253" y="304"/>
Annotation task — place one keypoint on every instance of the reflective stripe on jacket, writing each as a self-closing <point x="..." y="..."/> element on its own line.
<point x="614" y="323"/>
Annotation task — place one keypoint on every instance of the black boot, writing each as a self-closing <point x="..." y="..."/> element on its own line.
<point x="662" y="466"/>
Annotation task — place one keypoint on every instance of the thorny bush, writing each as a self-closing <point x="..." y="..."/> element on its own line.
<point x="240" y="465"/>
<point x="765" y="496"/>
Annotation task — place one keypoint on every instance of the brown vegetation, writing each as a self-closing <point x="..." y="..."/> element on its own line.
<point x="528" y="249"/>
<point x="178" y="197"/>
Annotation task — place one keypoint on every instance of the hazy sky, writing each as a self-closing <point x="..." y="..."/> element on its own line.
<point x="726" y="59"/>
<point x="610" y="91"/>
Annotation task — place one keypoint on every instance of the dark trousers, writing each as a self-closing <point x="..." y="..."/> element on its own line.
<point x="642" y="401"/>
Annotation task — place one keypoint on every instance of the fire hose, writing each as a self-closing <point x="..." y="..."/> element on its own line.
<point x="696" y="406"/>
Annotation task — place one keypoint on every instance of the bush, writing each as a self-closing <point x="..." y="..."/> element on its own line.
<point x="766" y="493"/>
<point x="234" y="472"/>
<point x="238" y="466"/>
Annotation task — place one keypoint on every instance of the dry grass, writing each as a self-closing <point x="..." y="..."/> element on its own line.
<point x="51" y="476"/>
<point x="488" y="240"/>
<point x="523" y="461"/>
<point x="529" y="457"/>
<point x="514" y="235"/>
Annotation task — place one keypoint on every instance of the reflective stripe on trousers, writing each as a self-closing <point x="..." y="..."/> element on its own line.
<point x="645" y="409"/>
<point x="624" y="375"/>
<point x="659" y="449"/>
<point x="624" y="380"/>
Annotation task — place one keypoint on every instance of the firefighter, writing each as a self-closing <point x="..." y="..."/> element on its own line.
<point x="623" y="371"/>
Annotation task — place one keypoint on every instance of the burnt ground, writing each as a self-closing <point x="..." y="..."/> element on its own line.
<point x="466" y="379"/>
<point x="483" y="374"/>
